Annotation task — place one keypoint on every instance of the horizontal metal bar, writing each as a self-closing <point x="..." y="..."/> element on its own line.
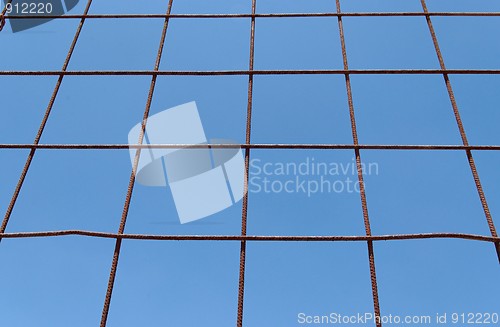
<point x="254" y="72"/>
<point x="249" y="146"/>
<point x="298" y="238"/>
<point x="262" y="15"/>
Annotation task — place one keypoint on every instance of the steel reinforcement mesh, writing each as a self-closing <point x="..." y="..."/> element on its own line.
<point x="248" y="146"/>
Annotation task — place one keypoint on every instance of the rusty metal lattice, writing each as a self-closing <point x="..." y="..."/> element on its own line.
<point x="248" y="146"/>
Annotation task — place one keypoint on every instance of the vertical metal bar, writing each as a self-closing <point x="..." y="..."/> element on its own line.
<point x="38" y="136"/>
<point x="366" y="219"/>
<point x="241" y="279"/>
<point x="461" y="128"/>
<point x="2" y="15"/>
<point x="121" y="229"/>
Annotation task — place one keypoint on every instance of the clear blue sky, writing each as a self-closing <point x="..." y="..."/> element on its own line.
<point x="62" y="281"/>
